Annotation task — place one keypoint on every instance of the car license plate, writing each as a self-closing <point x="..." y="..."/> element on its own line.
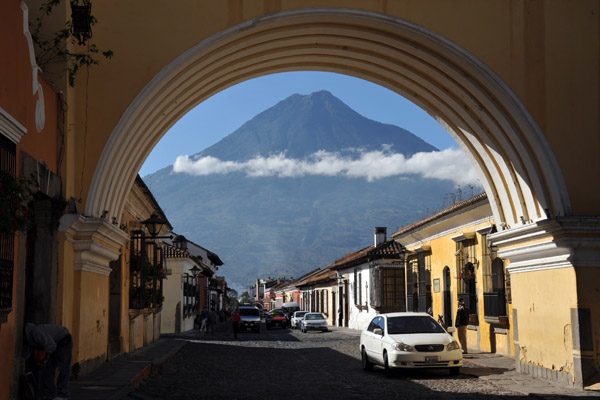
<point x="432" y="359"/>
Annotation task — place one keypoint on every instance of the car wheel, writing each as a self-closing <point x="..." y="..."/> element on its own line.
<point x="386" y="364"/>
<point x="257" y="329"/>
<point x="366" y="364"/>
<point x="268" y="326"/>
<point x="324" y="330"/>
<point x="454" y="371"/>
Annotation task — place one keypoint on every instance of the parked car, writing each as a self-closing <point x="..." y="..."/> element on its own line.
<point x="289" y="308"/>
<point x="313" y="322"/>
<point x="276" y="317"/>
<point x="296" y="318"/>
<point x="409" y="340"/>
<point x="250" y="318"/>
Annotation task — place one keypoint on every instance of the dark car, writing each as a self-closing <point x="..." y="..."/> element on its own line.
<point x="276" y="317"/>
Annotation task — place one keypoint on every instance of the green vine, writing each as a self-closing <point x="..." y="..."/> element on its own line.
<point x="15" y="194"/>
<point x="54" y="48"/>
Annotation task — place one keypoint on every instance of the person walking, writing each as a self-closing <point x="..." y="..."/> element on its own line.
<point x="462" y="320"/>
<point x="204" y="320"/>
<point x="52" y="348"/>
<point x="235" y="318"/>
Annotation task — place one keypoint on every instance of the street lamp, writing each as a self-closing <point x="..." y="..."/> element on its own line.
<point x="154" y="224"/>
<point x="195" y="271"/>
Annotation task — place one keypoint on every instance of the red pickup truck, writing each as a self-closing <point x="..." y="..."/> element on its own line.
<point x="276" y="317"/>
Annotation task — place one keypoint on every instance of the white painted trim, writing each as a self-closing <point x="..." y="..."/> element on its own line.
<point x="485" y="230"/>
<point x="95" y="241"/>
<point x="10" y="127"/>
<point x="463" y="236"/>
<point x="561" y="243"/>
<point x="439" y="234"/>
<point x="40" y="113"/>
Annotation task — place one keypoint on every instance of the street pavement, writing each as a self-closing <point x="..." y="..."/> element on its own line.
<point x="119" y="378"/>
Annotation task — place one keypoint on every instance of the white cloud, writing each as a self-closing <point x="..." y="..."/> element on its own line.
<point x="448" y="164"/>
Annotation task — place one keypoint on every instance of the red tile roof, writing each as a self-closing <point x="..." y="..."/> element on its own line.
<point x="389" y="249"/>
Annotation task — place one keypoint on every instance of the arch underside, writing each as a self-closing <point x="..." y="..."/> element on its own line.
<point x="515" y="163"/>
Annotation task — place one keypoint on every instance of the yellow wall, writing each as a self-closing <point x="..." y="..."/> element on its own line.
<point x="543" y="301"/>
<point x="91" y="317"/>
<point x="66" y="282"/>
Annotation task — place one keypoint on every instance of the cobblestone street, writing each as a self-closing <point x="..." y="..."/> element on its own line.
<point x="285" y="363"/>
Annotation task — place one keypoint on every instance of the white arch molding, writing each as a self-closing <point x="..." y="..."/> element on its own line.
<point x="517" y="167"/>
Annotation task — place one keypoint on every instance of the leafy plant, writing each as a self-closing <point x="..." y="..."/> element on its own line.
<point x="55" y="48"/>
<point x="15" y="193"/>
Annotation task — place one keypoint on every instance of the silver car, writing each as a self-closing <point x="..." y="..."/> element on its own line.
<point x="313" y="322"/>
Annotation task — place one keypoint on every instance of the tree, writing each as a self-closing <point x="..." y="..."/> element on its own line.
<point x="245" y="298"/>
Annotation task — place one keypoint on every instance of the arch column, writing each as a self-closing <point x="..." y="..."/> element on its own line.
<point x="88" y="245"/>
<point x="555" y="282"/>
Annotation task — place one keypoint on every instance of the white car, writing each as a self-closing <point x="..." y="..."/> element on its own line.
<point x="296" y="318"/>
<point x="313" y="322"/>
<point x="409" y="340"/>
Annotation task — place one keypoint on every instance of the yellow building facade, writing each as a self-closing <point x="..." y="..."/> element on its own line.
<point x="449" y="257"/>
<point x="514" y="82"/>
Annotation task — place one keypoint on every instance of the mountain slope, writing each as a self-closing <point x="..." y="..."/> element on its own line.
<point x="302" y="125"/>
<point x="272" y="226"/>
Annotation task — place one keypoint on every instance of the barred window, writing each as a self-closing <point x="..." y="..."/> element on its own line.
<point x="418" y="278"/>
<point x="393" y="287"/>
<point x="465" y="273"/>
<point x="8" y="151"/>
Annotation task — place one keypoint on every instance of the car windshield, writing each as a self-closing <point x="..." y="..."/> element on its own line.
<point x="313" y="316"/>
<point x="249" y="312"/>
<point x="413" y="324"/>
<point x="277" y="313"/>
<point x="299" y="314"/>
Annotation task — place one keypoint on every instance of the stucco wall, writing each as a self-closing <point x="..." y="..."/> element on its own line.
<point x="543" y="301"/>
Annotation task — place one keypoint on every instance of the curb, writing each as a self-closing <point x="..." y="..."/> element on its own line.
<point x="153" y="367"/>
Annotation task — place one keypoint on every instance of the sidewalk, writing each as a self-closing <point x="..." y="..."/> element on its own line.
<point x="500" y="371"/>
<point x="116" y="379"/>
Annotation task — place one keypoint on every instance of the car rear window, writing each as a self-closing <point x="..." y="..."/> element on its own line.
<point x="413" y="324"/>
<point x="313" y="316"/>
<point x="249" y="312"/>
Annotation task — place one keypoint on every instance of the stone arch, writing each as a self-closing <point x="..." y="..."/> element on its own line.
<point x="518" y="169"/>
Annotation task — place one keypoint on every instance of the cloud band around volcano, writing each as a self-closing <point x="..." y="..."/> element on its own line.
<point x="449" y="164"/>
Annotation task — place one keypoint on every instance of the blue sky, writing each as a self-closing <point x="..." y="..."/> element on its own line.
<point x="226" y="111"/>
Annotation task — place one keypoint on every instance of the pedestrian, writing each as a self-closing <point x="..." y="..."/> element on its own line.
<point x="462" y="320"/>
<point x="235" y="318"/>
<point x="51" y="347"/>
<point x="204" y="320"/>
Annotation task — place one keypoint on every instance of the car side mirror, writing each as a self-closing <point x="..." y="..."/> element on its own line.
<point x="378" y="331"/>
<point x="451" y="329"/>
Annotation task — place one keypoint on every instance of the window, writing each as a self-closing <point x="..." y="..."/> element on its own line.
<point x="360" y="289"/>
<point x="465" y="273"/>
<point x="418" y="281"/>
<point x="494" y="283"/>
<point x="387" y="291"/>
<point x="7" y="164"/>
<point x="146" y="273"/>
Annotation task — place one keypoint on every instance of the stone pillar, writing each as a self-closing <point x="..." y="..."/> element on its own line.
<point x="554" y="267"/>
<point x="95" y="243"/>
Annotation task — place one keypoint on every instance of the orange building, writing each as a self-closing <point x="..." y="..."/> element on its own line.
<point x="30" y="147"/>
